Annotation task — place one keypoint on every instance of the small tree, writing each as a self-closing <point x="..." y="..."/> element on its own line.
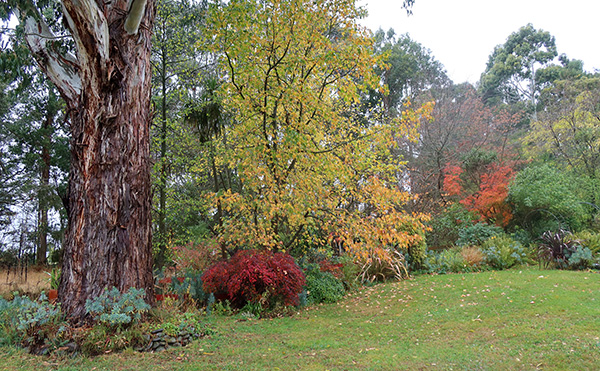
<point x="305" y="156"/>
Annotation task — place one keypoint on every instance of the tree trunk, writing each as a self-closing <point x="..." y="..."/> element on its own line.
<point x="161" y="257"/>
<point x="107" y="90"/>
<point x="42" y="247"/>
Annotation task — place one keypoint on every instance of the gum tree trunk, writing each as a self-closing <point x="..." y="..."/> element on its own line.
<point x="107" y="90"/>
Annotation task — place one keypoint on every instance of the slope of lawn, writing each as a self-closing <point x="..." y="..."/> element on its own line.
<point x="519" y="319"/>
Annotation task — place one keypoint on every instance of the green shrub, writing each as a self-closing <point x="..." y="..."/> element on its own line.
<point x="589" y="239"/>
<point x="28" y="322"/>
<point x="115" y="309"/>
<point x="502" y="252"/>
<point x="581" y="258"/>
<point x="446" y="261"/>
<point x="546" y="198"/>
<point x="477" y="233"/>
<point x="350" y="272"/>
<point x="101" y="339"/>
<point x="416" y="251"/>
<point x="322" y="287"/>
<point x="446" y="226"/>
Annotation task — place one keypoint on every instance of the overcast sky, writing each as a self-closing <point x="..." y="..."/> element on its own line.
<point x="461" y="34"/>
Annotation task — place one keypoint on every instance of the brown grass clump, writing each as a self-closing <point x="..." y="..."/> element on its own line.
<point x="33" y="281"/>
<point x="472" y="255"/>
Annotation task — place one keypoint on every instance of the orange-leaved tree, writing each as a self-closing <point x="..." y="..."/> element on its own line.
<point x="306" y="158"/>
<point x="487" y="196"/>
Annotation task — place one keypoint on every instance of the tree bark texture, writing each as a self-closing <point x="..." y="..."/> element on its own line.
<point x="107" y="90"/>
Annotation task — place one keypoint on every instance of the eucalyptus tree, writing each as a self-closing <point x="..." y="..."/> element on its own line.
<point x="409" y="70"/>
<point x="510" y="73"/>
<point x="106" y="85"/>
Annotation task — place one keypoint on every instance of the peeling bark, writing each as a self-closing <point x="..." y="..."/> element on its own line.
<point x="108" y="239"/>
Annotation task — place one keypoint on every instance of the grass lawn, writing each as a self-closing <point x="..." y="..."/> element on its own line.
<point x="522" y="319"/>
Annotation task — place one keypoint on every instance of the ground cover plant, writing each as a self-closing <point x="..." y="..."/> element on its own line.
<point x="523" y="318"/>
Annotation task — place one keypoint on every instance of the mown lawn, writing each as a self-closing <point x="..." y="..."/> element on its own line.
<point x="522" y="319"/>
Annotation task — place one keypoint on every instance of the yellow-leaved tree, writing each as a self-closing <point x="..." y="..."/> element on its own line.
<point x="311" y="165"/>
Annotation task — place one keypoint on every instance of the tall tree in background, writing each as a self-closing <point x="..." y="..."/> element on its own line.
<point x="409" y="70"/>
<point x="568" y="132"/>
<point x="178" y="72"/>
<point x="35" y="142"/>
<point x="106" y="87"/>
<point x="511" y="69"/>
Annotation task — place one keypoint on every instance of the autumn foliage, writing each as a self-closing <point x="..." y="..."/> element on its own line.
<point x="489" y="199"/>
<point x="256" y="277"/>
<point x="309" y="162"/>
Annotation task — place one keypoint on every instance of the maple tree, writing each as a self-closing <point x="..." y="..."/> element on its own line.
<point x="489" y="200"/>
<point x="308" y="164"/>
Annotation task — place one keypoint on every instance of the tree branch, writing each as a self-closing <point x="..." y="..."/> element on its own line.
<point x="61" y="69"/>
<point x="89" y="28"/>
<point x="134" y="17"/>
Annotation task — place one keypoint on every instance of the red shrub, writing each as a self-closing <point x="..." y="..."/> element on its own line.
<point x="251" y="274"/>
<point x="335" y="269"/>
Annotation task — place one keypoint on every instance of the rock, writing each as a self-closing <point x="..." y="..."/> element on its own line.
<point x="154" y="332"/>
<point x="160" y="349"/>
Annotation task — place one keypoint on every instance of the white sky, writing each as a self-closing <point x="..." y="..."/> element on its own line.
<point x="461" y="34"/>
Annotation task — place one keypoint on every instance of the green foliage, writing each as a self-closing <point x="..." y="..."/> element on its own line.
<point x="446" y="261"/>
<point x="581" y="258"/>
<point x="588" y="239"/>
<point x="545" y="198"/>
<point x="174" y="321"/>
<point x="503" y="252"/>
<point x="190" y="285"/>
<point x="26" y="321"/>
<point x="477" y="233"/>
<point x="350" y="272"/>
<point x="103" y="338"/>
<point x="54" y="278"/>
<point x="510" y="68"/>
<point x="410" y="69"/>
<point x="219" y="308"/>
<point x="445" y="227"/>
<point x="115" y="309"/>
<point x="322" y="287"/>
<point x="567" y="130"/>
